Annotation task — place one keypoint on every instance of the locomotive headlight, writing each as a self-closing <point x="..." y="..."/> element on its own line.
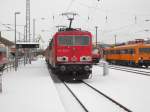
<point x="89" y="58"/>
<point x="85" y="58"/>
<point x="62" y="59"/>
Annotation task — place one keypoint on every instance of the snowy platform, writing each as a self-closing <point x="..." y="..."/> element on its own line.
<point x="30" y="89"/>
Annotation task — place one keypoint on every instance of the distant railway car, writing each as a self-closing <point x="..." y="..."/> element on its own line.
<point x="69" y="54"/>
<point x="96" y="55"/>
<point x="3" y="57"/>
<point x="132" y="54"/>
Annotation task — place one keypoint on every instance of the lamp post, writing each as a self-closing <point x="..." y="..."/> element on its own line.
<point x="16" y="65"/>
<point x="33" y="30"/>
<point x="96" y="27"/>
<point x="115" y="39"/>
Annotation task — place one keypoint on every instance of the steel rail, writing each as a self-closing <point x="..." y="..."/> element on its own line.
<point x="86" y="110"/>
<point x="132" y="71"/>
<point x="109" y="98"/>
<point x="129" y="68"/>
<point x="145" y="73"/>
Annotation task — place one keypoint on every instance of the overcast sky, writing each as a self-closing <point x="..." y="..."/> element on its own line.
<point x="120" y="18"/>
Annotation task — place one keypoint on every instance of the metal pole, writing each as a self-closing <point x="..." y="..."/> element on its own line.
<point x="15" y="46"/>
<point x="115" y="39"/>
<point x="34" y="34"/>
<point x="24" y="33"/>
<point x="96" y="34"/>
<point x="0" y="34"/>
<point x="15" y="43"/>
<point x="33" y="30"/>
<point x="0" y="82"/>
<point x="19" y="37"/>
<point x="28" y="26"/>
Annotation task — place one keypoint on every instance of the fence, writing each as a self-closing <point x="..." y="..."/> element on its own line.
<point x="8" y="67"/>
<point x="0" y="82"/>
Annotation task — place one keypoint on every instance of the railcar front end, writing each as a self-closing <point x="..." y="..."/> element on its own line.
<point x="73" y="55"/>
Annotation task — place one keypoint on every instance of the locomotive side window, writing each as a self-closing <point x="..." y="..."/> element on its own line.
<point x="144" y="50"/>
<point x="73" y="40"/>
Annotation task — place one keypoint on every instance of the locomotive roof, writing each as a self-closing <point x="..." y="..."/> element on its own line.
<point x="72" y="31"/>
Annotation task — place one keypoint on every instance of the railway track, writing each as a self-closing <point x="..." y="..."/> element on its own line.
<point x="82" y="105"/>
<point x="106" y="97"/>
<point x="131" y="70"/>
<point x="100" y="93"/>
<point x="135" y="68"/>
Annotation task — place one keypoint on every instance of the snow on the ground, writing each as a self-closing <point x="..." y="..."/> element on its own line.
<point x="69" y="102"/>
<point x="30" y="89"/>
<point x="93" y="101"/>
<point x="130" y="89"/>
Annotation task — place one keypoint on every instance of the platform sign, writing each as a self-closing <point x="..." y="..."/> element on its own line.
<point x="27" y="45"/>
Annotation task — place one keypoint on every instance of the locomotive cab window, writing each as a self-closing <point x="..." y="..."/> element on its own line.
<point x="84" y="40"/>
<point x="73" y="40"/>
<point x="66" y="41"/>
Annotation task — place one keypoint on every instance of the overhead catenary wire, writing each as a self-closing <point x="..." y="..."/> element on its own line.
<point x="12" y="29"/>
<point x="67" y="9"/>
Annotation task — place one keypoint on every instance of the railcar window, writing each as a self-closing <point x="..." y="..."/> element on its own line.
<point x="2" y="49"/>
<point x="131" y="51"/>
<point x="73" y="40"/>
<point x="123" y="51"/>
<point x="144" y="50"/>
<point x="104" y="52"/>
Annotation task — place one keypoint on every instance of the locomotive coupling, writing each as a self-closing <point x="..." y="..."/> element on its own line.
<point x="86" y="68"/>
<point x="62" y="68"/>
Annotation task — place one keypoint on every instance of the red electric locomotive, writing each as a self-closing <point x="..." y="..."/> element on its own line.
<point x="69" y="54"/>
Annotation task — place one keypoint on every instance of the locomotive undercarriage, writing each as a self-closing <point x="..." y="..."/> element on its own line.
<point x="73" y="72"/>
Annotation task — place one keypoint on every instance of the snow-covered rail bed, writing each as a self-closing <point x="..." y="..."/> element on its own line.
<point x="130" y="90"/>
<point x="93" y="100"/>
<point x="129" y="69"/>
<point x="132" y="68"/>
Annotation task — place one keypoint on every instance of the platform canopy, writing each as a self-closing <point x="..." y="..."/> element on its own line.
<point x="27" y="45"/>
<point x="6" y="42"/>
